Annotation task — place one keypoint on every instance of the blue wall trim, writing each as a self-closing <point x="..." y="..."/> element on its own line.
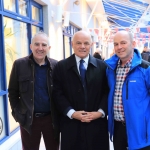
<point x="3" y="92"/>
<point x="11" y="134"/>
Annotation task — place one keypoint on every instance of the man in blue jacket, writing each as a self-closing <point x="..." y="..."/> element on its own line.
<point x="129" y="96"/>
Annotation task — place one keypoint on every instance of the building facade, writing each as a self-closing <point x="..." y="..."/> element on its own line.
<point x="19" y="21"/>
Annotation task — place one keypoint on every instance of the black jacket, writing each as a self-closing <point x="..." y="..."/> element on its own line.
<point x="146" y="56"/>
<point x="97" y="55"/>
<point x="21" y="92"/>
<point x="69" y="92"/>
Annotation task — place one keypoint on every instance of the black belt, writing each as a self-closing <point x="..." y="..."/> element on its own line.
<point x="121" y="122"/>
<point x="41" y="114"/>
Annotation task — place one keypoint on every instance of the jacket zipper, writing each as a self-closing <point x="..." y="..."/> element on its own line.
<point x="49" y="78"/>
<point x="127" y="89"/>
<point x="33" y="90"/>
<point x="146" y="130"/>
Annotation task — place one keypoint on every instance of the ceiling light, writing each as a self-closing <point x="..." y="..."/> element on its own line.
<point x="144" y="1"/>
<point x="146" y="17"/>
<point x="104" y="23"/>
<point x="76" y="2"/>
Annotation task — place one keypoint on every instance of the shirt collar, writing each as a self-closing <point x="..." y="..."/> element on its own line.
<point x="86" y="59"/>
<point x="46" y="62"/>
<point x="127" y="64"/>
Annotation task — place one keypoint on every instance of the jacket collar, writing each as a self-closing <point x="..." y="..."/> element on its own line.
<point x="71" y="62"/>
<point x="92" y="61"/>
<point x="113" y="61"/>
<point x="47" y="60"/>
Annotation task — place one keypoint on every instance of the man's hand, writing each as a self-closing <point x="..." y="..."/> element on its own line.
<point x="78" y="115"/>
<point x="89" y="116"/>
<point x="86" y="116"/>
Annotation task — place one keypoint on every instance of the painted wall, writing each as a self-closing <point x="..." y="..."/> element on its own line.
<point x="79" y="15"/>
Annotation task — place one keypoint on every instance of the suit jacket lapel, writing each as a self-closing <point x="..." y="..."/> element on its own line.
<point x="89" y="73"/>
<point x="71" y="62"/>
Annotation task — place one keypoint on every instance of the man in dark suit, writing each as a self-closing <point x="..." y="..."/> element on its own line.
<point x="80" y="93"/>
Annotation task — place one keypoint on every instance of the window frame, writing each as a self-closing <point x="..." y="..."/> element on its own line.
<point x="25" y="19"/>
<point x="40" y="13"/>
<point x="69" y="32"/>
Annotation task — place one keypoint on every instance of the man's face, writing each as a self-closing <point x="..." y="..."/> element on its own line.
<point x="145" y="49"/>
<point x="123" y="46"/>
<point x="82" y="44"/>
<point x="39" y="47"/>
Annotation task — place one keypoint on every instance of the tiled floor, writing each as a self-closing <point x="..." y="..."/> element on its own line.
<point x="42" y="146"/>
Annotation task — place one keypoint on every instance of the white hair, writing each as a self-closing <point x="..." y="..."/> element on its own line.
<point x="40" y="33"/>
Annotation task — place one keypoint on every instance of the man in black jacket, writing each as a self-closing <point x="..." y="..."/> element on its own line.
<point x="146" y="54"/>
<point x="80" y="93"/>
<point x="30" y="89"/>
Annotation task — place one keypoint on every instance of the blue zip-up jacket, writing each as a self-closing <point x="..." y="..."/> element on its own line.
<point x="135" y="98"/>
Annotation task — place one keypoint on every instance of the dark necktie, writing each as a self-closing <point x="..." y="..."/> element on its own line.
<point x="82" y="71"/>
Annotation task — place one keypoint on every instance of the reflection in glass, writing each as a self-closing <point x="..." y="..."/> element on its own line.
<point x="16" y="46"/>
<point x="72" y="48"/>
<point x="10" y="5"/>
<point x="34" y="30"/>
<point x="2" y="81"/>
<point x="2" y="118"/>
<point x="16" y="42"/>
<point x="23" y="7"/>
<point x="67" y="46"/>
<point x="35" y="13"/>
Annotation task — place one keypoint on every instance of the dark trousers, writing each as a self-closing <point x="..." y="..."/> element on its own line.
<point x="40" y="126"/>
<point x="145" y="148"/>
<point x="120" y="137"/>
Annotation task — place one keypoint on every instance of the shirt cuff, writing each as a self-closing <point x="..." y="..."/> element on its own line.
<point x="103" y="114"/>
<point x="70" y="112"/>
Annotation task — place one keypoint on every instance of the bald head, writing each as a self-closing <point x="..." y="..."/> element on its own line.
<point x="81" y="44"/>
<point x="82" y="33"/>
<point x="123" y="45"/>
<point x="124" y="33"/>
